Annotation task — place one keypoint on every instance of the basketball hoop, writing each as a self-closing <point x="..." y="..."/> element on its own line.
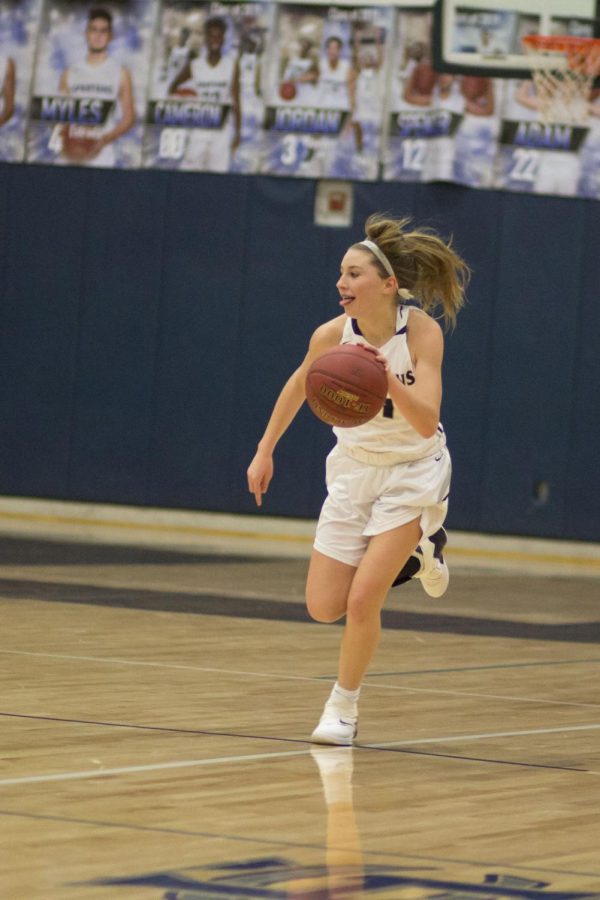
<point x="564" y="69"/>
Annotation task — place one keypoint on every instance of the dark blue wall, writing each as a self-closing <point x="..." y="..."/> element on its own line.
<point x="148" y="320"/>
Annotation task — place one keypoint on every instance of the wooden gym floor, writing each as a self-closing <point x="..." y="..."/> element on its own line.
<point x="156" y="706"/>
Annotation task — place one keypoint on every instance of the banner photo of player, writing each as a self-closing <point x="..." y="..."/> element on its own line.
<point x="18" y="31"/>
<point x="588" y="184"/>
<point x="555" y="151"/>
<point x="89" y="84"/>
<point x="491" y="32"/>
<point x="205" y="110"/>
<point x="439" y="127"/>
<point x="326" y="92"/>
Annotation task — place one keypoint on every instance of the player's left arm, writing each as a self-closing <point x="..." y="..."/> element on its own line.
<point x="526" y="95"/>
<point x="63" y="87"/>
<point x="8" y="92"/>
<point x="183" y="75"/>
<point x="351" y="87"/>
<point x="420" y="402"/>
<point x="312" y="74"/>
<point x="235" y="106"/>
<point x="593" y="105"/>
<point x="127" y="119"/>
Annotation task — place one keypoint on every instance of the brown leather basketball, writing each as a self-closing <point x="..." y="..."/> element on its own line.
<point x="347" y="385"/>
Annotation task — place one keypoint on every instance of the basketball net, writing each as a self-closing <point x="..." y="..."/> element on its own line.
<point x="564" y="69"/>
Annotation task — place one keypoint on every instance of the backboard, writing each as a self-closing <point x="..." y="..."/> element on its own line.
<point x="484" y="37"/>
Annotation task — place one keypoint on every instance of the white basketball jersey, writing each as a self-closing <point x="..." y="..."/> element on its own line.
<point x="453" y="100"/>
<point x="389" y="431"/>
<point x="515" y="110"/>
<point x="333" y="85"/>
<point x="213" y="83"/>
<point x="305" y="90"/>
<point x="368" y="95"/>
<point x="95" y="82"/>
<point x="99" y="82"/>
<point x="296" y="67"/>
<point x="249" y="75"/>
<point x="178" y="57"/>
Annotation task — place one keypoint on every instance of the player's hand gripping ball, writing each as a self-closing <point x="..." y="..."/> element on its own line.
<point x="347" y="385"/>
<point x="79" y="145"/>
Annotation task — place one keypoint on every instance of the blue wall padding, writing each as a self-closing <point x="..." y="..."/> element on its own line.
<point x="149" y="319"/>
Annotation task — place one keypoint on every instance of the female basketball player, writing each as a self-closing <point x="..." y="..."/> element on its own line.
<point x="388" y="480"/>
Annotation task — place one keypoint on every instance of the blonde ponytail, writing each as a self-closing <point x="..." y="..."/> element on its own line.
<point x="425" y="266"/>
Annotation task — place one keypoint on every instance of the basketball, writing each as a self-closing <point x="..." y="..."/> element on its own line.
<point x="184" y="92"/>
<point x="346" y="386"/>
<point x="287" y="90"/>
<point x="473" y="87"/>
<point x="424" y="78"/>
<point x="78" y="145"/>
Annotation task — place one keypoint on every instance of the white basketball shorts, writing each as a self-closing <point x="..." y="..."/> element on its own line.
<point x="364" y="500"/>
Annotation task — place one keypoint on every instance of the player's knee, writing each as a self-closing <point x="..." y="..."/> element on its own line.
<point x="324" y="611"/>
<point x="362" y="608"/>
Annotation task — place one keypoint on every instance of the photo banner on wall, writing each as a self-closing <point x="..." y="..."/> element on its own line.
<point x="206" y="108"/>
<point x="18" y="33"/>
<point x="438" y="126"/>
<point x="559" y="158"/>
<point x="304" y="90"/>
<point x="326" y="91"/>
<point x="89" y="83"/>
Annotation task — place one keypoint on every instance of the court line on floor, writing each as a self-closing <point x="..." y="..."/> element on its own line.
<point x="393" y="674"/>
<point x="486" y="736"/>
<point x="513" y="665"/>
<point x="284" y="676"/>
<point x="151" y="767"/>
<point x="149" y="663"/>
<point x="417" y="690"/>
<point x="256" y="757"/>
<point x="438" y="860"/>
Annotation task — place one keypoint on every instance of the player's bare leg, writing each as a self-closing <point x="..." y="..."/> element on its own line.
<point x="369" y="589"/>
<point x="334" y="588"/>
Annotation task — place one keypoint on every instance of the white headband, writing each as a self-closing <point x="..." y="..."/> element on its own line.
<point x="372" y="246"/>
<point x="376" y="251"/>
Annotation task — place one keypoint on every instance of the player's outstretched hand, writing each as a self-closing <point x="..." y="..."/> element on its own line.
<point x="260" y="472"/>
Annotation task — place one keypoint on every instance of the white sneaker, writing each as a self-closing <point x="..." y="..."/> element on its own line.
<point x="335" y="727"/>
<point x="434" y="574"/>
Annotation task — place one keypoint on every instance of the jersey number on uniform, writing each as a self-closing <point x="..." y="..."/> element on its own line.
<point x="172" y="143"/>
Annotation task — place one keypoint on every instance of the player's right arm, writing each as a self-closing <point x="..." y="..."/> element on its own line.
<point x="63" y="87"/>
<point x="287" y="405"/>
<point x="8" y="92"/>
<point x="526" y="95"/>
<point x="127" y="119"/>
<point x="183" y="75"/>
<point x="351" y="88"/>
<point x="235" y="106"/>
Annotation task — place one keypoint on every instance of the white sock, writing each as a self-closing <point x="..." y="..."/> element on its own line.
<point x="345" y="699"/>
